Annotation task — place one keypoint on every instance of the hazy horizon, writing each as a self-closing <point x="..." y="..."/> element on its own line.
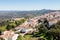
<point x="22" y="5"/>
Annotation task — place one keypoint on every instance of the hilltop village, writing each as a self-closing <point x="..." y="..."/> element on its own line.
<point x="52" y="17"/>
<point x="29" y="25"/>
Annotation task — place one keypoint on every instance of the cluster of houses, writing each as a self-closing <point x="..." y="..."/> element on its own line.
<point x="52" y="17"/>
<point x="29" y="25"/>
<point x="9" y="35"/>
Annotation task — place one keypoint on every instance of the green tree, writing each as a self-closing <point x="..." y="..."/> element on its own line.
<point x="55" y="33"/>
<point x="42" y="28"/>
<point x="19" y="37"/>
<point x="17" y="23"/>
<point x="46" y="23"/>
<point x="8" y="27"/>
<point x="58" y="23"/>
<point x="43" y="33"/>
<point x="0" y="32"/>
<point x="22" y="20"/>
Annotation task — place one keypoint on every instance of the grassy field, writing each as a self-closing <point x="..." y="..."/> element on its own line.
<point x="2" y="28"/>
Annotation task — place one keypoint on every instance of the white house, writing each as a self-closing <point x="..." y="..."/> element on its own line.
<point x="9" y="35"/>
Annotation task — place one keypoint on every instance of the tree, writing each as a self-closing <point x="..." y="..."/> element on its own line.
<point x="58" y="23"/>
<point x="39" y="21"/>
<point x="43" y="33"/>
<point x="46" y="23"/>
<point x="55" y="33"/>
<point x="0" y="32"/>
<point x="19" y="37"/>
<point x="18" y="22"/>
<point x="42" y="28"/>
<point x="22" y="20"/>
<point x="8" y="27"/>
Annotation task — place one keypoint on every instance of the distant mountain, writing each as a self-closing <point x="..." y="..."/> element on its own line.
<point x="10" y="14"/>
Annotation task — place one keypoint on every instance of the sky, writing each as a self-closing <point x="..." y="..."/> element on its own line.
<point x="29" y="4"/>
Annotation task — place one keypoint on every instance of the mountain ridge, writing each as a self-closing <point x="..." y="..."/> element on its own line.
<point x="31" y="13"/>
